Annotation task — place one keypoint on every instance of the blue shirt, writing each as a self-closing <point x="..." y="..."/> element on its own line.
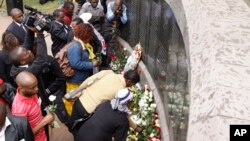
<point x="111" y="16"/>
<point x="79" y="60"/>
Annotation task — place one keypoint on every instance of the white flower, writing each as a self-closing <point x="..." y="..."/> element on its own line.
<point x="150" y="99"/>
<point x="52" y="98"/>
<point x="146" y="92"/>
<point x="136" y="119"/>
<point x="142" y="103"/>
<point x="157" y="123"/>
<point x="182" y="125"/>
<point x="150" y="94"/>
<point x="151" y="135"/>
<point x="124" y="49"/>
<point x="152" y="109"/>
<point x="143" y="123"/>
<point x="145" y="113"/>
<point x="153" y="105"/>
<point x="138" y="86"/>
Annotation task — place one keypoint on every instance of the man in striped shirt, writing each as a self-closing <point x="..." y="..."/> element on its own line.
<point x="26" y="104"/>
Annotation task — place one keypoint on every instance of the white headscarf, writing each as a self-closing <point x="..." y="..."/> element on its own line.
<point x="121" y="99"/>
<point x="86" y="17"/>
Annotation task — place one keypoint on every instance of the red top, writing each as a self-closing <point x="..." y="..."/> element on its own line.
<point x="1" y="81"/>
<point x="30" y="108"/>
<point x="67" y="17"/>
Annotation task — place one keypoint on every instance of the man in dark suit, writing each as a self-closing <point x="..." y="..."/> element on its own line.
<point x="61" y="34"/>
<point x="16" y="27"/>
<point x="13" y="128"/>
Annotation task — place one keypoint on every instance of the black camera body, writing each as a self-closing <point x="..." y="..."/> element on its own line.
<point x="37" y="19"/>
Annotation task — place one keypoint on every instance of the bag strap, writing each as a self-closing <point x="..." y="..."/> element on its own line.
<point x="76" y="92"/>
<point x="81" y="50"/>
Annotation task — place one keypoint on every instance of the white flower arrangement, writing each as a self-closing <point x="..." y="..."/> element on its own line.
<point x="145" y="115"/>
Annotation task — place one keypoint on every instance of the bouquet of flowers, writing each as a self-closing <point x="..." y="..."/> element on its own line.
<point x="145" y="115"/>
<point x="118" y="61"/>
<point x="52" y="109"/>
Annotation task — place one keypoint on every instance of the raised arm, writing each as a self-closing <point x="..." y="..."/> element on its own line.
<point x="29" y="40"/>
<point x="123" y="16"/>
<point x="110" y="13"/>
<point x="37" y="64"/>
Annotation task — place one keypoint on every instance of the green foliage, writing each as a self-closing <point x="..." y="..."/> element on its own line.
<point x="48" y="7"/>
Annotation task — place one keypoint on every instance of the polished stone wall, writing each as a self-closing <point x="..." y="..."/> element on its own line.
<point x="216" y="34"/>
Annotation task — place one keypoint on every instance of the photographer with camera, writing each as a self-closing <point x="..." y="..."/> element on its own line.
<point x="61" y="34"/>
<point x="117" y="12"/>
<point x="115" y="17"/>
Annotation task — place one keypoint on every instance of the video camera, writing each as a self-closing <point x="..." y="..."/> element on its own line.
<point x="37" y="19"/>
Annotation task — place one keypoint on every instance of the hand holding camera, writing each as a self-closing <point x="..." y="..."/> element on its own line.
<point x="33" y="29"/>
<point x="118" y="10"/>
<point x="37" y="19"/>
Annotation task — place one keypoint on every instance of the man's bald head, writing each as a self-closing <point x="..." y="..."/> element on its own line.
<point x="3" y="114"/>
<point x="25" y="79"/>
<point x="27" y="83"/>
<point x="17" y="15"/>
<point x="118" y="2"/>
<point x="15" y="11"/>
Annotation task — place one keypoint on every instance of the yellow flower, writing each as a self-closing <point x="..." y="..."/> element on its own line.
<point x="135" y="109"/>
<point x="133" y="136"/>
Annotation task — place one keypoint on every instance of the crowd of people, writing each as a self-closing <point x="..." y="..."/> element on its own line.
<point x="89" y="95"/>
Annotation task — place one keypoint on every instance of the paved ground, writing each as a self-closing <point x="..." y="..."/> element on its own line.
<point x="62" y="133"/>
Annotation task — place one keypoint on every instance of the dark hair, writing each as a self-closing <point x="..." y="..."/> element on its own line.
<point x="9" y="41"/>
<point x="67" y="4"/>
<point x="77" y="20"/>
<point x="57" y="13"/>
<point x="132" y="75"/>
